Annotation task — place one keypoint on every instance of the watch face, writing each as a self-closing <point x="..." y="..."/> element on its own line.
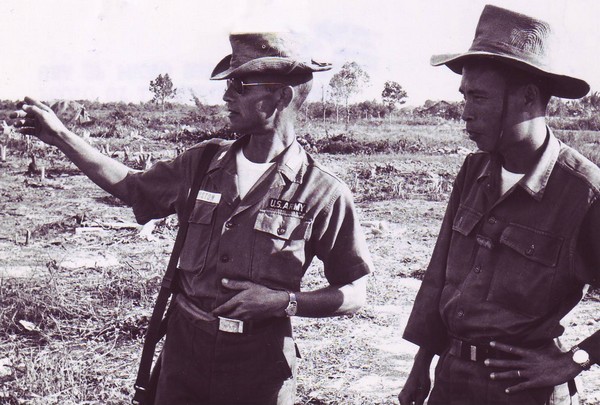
<point x="580" y="356"/>
<point x="291" y="308"/>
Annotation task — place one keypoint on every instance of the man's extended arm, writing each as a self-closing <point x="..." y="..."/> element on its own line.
<point x="36" y="118"/>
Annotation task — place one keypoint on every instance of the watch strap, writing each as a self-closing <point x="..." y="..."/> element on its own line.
<point x="292" y="306"/>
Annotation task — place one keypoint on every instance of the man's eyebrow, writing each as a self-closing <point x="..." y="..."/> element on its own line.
<point x="477" y="92"/>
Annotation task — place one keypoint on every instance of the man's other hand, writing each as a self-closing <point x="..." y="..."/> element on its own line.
<point x="417" y="386"/>
<point x="36" y="118"/>
<point x="414" y="391"/>
<point x="252" y="302"/>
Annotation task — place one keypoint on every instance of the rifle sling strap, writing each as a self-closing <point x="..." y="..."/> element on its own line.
<point x="155" y="331"/>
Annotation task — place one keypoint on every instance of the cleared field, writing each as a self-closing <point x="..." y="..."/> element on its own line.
<point x="78" y="277"/>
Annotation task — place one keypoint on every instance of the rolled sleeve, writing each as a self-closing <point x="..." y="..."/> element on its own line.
<point x="154" y="192"/>
<point x="162" y="190"/>
<point x="340" y="242"/>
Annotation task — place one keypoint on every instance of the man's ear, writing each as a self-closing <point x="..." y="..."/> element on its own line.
<point x="286" y="96"/>
<point x="531" y="94"/>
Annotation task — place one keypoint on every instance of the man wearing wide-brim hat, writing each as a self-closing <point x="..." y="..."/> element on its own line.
<point x="520" y="240"/>
<point x="264" y="210"/>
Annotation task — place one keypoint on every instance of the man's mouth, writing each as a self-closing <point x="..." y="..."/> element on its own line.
<point x="472" y="134"/>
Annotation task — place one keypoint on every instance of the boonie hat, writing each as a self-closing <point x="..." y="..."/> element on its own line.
<point x="518" y="40"/>
<point x="265" y="52"/>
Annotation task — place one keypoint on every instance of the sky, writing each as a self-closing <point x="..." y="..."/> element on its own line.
<point x="109" y="50"/>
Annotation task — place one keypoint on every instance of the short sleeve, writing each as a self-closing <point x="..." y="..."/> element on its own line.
<point x="339" y="241"/>
<point x="163" y="189"/>
<point x="154" y="193"/>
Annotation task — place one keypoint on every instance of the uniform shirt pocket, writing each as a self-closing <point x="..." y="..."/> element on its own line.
<point x="278" y="255"/>
<point x="526" y="269"/>
<point x="535" y="245"/>
<point x="195" y="249"/>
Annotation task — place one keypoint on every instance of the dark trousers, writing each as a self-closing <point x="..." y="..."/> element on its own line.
<point x="203" y="366"/>
<point x="463" y="382"/>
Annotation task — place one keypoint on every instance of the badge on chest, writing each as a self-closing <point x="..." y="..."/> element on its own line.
<point x="207" y="196"/>
<point x="290" y="206"/>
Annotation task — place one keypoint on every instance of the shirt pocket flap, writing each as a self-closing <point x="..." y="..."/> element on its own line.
<point x="465" y="220"/>
<point x="534" y="244"/>
<point x="283" y="226"/>
<point x="202" y="213"/>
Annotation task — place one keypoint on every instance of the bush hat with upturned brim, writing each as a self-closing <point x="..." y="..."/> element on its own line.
<point x="517" y="40"/>
<point x="264" y="53"/>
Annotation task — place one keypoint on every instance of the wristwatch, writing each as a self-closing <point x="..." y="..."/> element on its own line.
<point x="292" y="306"/>
<point x="581" y="357"/>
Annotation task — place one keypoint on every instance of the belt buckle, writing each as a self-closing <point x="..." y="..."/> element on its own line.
<point x="231" y="325"/>
<point x="473" y="352"/>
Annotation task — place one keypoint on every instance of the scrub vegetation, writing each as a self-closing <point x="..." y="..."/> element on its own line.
<point x="78" y="277"/>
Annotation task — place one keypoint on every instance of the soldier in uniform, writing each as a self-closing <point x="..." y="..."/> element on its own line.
<point x="264" y="210"/>
<point x="520" y="240"/>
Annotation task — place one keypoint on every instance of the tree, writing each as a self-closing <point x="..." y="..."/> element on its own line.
<point x="393" y="94"/>
<point x="346" y="83"/>
<point x="590" y="103"/>
<point x="163" y="90"/>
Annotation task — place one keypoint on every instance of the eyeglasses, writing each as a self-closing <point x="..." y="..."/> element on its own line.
<point x="238" y="84"/>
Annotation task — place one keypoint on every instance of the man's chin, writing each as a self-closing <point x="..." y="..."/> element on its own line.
<point x="235" y="125"/>
<point x="480" y="146"/>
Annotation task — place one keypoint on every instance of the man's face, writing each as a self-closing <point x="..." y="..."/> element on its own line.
<point x="483" y="90"/>
<point x="252" y="110"/>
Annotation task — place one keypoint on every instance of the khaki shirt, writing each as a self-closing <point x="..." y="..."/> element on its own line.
<point x="296" y="211"/>
<point x="509" y="268"/>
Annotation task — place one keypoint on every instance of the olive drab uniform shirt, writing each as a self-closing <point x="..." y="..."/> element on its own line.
<point x="296" y="211"/>
<point x="509" y="268"/>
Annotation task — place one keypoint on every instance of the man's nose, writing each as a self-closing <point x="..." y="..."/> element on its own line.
<point x="228" y="95"/>
<point x="467" y="114"/>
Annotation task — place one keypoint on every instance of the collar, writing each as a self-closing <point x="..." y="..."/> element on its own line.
<point x="536" y="180"/>
<point x="533" y="182"/>
<point x="291" y="163"/>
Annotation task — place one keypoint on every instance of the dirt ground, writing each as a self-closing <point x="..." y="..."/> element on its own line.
<point x="65" y="225"/>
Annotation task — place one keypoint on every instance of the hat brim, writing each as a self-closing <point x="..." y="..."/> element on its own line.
<point x="562" y="86"/>
<point x="271" y="64"/>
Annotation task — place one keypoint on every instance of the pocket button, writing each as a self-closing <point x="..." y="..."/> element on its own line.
<point x="530" y="250"/>
<point x="281" y="230"/>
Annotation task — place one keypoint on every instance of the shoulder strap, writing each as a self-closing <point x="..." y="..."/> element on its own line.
<point x="153" y="334"/>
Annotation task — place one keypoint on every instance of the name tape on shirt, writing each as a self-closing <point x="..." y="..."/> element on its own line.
<point x="284" y="205"/>
<point x="207" y="196"/>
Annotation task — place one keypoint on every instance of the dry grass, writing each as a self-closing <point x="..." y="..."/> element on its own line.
<point x="73" y="336"/>
<point x="81" y="337"/>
